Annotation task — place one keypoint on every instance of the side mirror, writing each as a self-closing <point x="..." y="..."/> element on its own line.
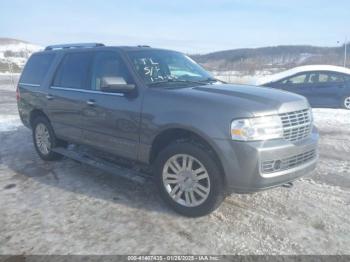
<point x="115" y="85"/>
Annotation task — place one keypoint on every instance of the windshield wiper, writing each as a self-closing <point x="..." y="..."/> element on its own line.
<point x="154" y="84"/>
<point x="212" y="80"/>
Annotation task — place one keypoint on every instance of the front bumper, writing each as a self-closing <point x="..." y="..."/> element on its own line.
<point x="242" y="162"/>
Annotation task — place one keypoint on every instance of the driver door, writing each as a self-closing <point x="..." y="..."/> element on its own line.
<point x="111" y="120"/>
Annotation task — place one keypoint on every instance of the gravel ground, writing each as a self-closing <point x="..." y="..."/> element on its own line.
<point x="68" y="208"/>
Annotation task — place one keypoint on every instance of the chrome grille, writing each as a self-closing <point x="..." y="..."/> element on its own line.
<point x="276" y="165"/>
<point x="296" y="125"/>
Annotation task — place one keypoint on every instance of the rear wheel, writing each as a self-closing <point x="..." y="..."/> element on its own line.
<point x="346" y="102"/>
<point x="44" y="139"/>
<point x="189" y="179"/>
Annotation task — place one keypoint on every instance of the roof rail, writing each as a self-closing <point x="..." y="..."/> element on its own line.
<point x="143" y="46"/>
<point x="67" y="46"/>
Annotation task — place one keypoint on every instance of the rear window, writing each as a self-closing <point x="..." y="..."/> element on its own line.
<point x="73" y="71"/>
<point x="36" y="68"/>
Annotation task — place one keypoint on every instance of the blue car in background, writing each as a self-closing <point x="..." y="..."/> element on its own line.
<point x="322" y="85"/>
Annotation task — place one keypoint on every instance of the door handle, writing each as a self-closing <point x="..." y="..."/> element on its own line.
<point x="90" y="102"/>
<point x="49" y="97"/>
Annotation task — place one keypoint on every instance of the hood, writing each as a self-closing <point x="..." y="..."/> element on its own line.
<point x="256" y="100"/>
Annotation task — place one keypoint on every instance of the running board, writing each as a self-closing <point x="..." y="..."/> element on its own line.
<point x="102" y="164"/>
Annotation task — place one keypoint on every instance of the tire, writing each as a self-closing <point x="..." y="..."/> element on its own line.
<point x="42" y="128"/>
<point x="346" y="103"/>
<point x="189" y="202"/>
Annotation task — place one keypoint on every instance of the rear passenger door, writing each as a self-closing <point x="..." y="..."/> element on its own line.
<point x="111" y="120"/>
<point x="68" y="95"/>
<point x="327" y="87"/>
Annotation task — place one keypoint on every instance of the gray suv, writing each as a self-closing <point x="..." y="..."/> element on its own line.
<point x="202" y="138"/>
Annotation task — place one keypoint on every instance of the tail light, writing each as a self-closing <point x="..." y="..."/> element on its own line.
<point x="18" y="95"/>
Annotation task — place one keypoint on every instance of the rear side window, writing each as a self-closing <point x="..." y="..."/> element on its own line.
<point x="334" y="77"/>
<point x="73" y="72"/>
<point x="36" y="69"/>
<point x="325" y="77"/>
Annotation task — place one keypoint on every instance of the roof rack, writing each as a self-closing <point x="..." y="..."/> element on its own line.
<point x="68" y="46"/>
<point x="143" y="46"/>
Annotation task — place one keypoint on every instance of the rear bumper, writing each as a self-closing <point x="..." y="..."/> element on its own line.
<point x="243" y="162"/>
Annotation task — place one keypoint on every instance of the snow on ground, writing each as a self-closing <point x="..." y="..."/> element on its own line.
<point x="334" y="125"/>
<point x="331" y="118"/>
<point x="19" y="46"/>
<point x="9" y="123"/>
<point x="16" y="52"/>
<point x="67" y="208"/>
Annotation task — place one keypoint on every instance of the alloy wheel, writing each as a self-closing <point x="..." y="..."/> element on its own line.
<point x="42" y="139"/>
<point x="186" y="180"/>
<point x="347" y="102"/>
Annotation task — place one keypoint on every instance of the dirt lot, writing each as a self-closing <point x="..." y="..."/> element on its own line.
<point x="68" y="208"/>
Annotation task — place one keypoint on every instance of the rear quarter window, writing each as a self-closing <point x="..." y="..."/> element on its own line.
<point x="36" y="69"/>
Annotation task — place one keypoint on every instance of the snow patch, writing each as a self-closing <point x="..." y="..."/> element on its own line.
<point x="239" y="77"/>
<point x="330" y="118"/>
<point x="9" y="123"/>
<point x="17" y="53"/>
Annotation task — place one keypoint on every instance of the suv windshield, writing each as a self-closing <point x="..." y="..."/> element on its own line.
<point x="161" y="67"/>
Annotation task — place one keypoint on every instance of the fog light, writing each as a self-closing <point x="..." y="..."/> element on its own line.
<point x="277" y="164"/>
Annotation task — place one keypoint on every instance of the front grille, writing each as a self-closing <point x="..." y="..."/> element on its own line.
<point x="296" y="125"/>
<point x="276" y="165"/>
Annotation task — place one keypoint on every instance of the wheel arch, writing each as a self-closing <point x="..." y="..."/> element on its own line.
<point x="179" y="134"/>
<point x="34" y="114"/>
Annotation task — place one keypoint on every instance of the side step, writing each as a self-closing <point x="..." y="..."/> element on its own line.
<point x="102" y="164"/>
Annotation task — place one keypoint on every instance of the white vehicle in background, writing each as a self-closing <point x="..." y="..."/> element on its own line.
<point x="322" y="85"/>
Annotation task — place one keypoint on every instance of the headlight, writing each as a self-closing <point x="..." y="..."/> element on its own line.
<point x="258" y="128"/>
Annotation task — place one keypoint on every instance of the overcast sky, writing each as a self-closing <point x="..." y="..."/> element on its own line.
<point x="192" y="26"/>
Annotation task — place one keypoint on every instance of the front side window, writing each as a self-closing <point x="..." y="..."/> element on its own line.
<point x="109" y="65"/>
<point x="314" y="78"/>
<point x="294" y="80"/>
<point x="161" y="66"/>
<point x="323" y="78"/>
<point x="73" y="71"/>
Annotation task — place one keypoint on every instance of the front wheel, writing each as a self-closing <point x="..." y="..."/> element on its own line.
<point x="346" y="102"/>
<point x="189" y="179"/>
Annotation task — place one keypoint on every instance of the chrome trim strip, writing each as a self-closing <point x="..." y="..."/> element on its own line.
<point x="297" y="126"/>
<point x="85" y="91"/>
<point x="27" y="84"/>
